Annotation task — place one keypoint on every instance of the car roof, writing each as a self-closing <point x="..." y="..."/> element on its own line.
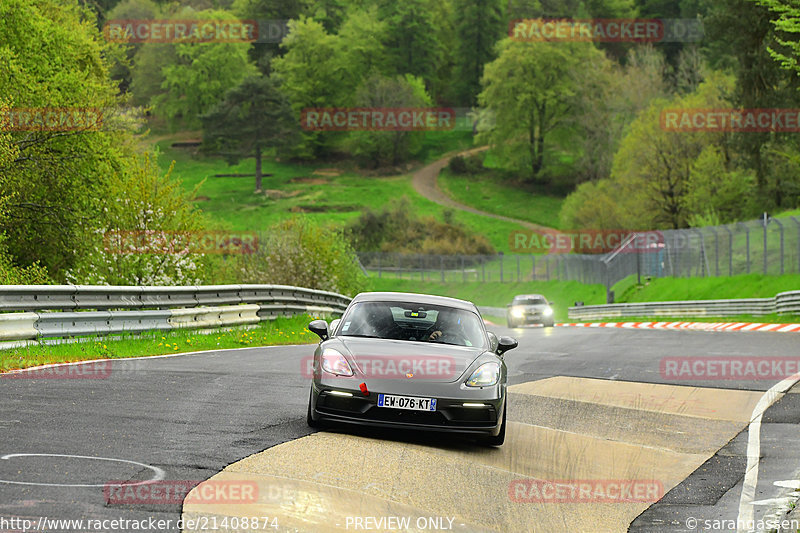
<point x="410" y="297"/>
<point x="527" y="296"/>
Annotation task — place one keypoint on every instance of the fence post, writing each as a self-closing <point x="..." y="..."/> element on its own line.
<point x="441" y="266"/>
<point x="730" y="250"/>
<point x="775" y="220"/>
<point x="379" y="265"/>
<point x="501" y="267"/>
<point x="517" y="268"/>
<point x="798" y="242"/>
<point x="716" y="250"/>
<point x="533" y="258"/>
<point x="463" y="272"/>
<point x="764" y="222"/>
<point x="483" y="269"/>
<point x="747" y="243"/>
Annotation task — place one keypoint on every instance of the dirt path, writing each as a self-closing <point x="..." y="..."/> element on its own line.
<point x="425" y="179"/>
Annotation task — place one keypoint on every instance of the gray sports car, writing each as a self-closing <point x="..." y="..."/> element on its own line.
<point x="410" y="361"/>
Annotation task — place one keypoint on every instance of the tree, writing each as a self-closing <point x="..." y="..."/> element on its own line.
<point x="388" y="147"/>
<point x="201" y="76"/>
<point x="312" y="74"/>
<point x="532" y="89"/>
<point x="613" y="95"/>
<point x="412" y="41"/>
<point x="479" y="25"/>
<point x="251" y="117"/>
<point x="739" y="33"/>
<point x="54" y="56"/>
<point x="653" y="169"/>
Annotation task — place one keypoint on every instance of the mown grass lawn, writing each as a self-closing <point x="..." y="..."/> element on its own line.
<point x="564" y="294"/>
<point x="324" y="197"/>
<point x="494" y="195"/>
<point x="279" y="331"/>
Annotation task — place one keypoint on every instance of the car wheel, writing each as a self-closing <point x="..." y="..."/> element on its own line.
<point x="501" y="437"/>
<point x="309" y="420"/>
<point x="511" y="323"/>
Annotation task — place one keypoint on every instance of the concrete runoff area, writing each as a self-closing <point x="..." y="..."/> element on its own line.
<point x="588" y="437"/>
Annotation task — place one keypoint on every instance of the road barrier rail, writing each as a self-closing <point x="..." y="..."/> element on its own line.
<point x="33" y="312"/>
<point x="785" y="303"/>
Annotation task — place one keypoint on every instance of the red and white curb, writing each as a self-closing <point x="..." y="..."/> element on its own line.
<point x="698" y="326"/>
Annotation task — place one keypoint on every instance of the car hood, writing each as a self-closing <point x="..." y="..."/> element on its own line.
<point x="392" y="359"/>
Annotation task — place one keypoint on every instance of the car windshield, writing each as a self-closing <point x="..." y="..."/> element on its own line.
<point x="414" y="322"/>
<point x="530" y="301"/>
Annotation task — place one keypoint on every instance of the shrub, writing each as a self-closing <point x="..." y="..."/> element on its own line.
<point x="395" y="229"/>
<point x="298" y="252"/>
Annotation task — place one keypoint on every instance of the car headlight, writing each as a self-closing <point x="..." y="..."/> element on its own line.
<point x="548" y="311"/>
<point x="334" y="363"/>
<point x="517" y="312"/>
<point x="485" y="375"/>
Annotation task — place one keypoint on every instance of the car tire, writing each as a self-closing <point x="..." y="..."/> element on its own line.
<point x="549" y="324"/>
<point x="500" y="438"/>
<point x="309" y="420"/>
<point x="511" y="324"/>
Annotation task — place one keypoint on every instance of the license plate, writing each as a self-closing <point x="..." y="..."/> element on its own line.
<point x="406" y="402"/>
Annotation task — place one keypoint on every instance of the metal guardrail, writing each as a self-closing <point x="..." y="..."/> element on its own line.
<point x="784" y="303"/>
<point x="49" y="311"/>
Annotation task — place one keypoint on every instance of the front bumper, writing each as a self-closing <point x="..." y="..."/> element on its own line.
<point x="450" y="414"/>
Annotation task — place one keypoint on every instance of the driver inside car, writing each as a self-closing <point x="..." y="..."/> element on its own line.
<point x="447" y="324"/>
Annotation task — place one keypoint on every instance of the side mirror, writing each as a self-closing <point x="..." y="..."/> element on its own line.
<point x="493" y="342"/>
<point x="505" y="344"/>
<point x="320" y="327"/>
<point x="333" y="326"/>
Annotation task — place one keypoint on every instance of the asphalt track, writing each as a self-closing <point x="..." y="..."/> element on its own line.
<point x="189" y="417"/>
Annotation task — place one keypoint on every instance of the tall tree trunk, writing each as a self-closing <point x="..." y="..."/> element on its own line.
<point x="258" y="168"/>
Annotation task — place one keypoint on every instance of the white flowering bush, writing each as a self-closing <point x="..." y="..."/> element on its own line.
<point x="127" y="245"/>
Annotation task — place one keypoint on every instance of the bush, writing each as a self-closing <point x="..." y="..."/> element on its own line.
<point x="395" y="229"/>
<point x="298" y="252"/>
<point x="142" y="202"/>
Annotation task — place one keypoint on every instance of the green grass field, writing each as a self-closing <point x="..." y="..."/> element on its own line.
<point x="743" y="286"/>
<point x="563" y="294"/>
<point x="490" y="194"/>
<point x="294" y="188"/>
<point x="279" y="331"/>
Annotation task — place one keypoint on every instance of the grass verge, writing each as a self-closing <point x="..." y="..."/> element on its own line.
<point x="494" y="195"/>
<point x="276" y="332"/>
